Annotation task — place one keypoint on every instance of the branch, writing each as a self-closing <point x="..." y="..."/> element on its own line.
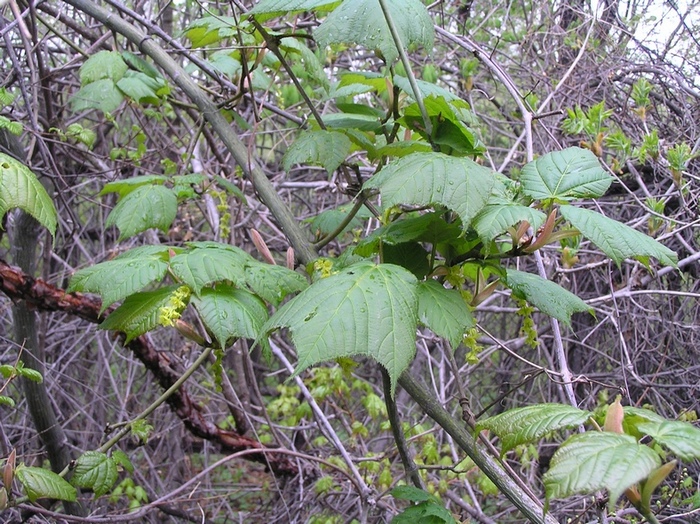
<point x="36" y="293"/>
<point x="531" y="508"/>
<point x="211" y="114"/>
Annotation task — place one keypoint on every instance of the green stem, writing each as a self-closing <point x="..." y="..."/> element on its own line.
<point x="159" y="401"/>
<point x="530" y="507"/>
<point x="272" y="43"/>
<point x="338" y="230"/>
<point x="407" y="66"/>
<point x="409" y="465"/>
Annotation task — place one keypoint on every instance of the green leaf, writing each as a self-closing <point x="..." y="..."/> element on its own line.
<point x="127" y="185"/>
<point x="226" y="63"/>
<point x="102" y="94"/>
<point x="19" y="188"/>
<point x="208" y="264"/>
<point x="328" y="221"/>
<point x="139" y="313"/>
<point x="273" y="283"/>
<point x="428" y="511"/>
<point x="565" y="175"/>
<point x="410" y="493"/>
<point x="102" y="65"/>
<point x="615" y="239"/>
<point x="116" y="279"/>
<point x="404" y="148"/>
<point x="96" y="471"/>
<point x="429" y="227"/>
<point x="326" y="148"/>
<point x="531" y="423"/>
<point x="496" y="218"/>
<point x="682" y="438"/>
<point x="596" y="460"/>
<point x="11" y="125"/>
<point x="6" y="97"/>
<point x="142" y="88"/>
<point x="459" y="184"/>
<point x="362" y="22"/>
<point x="409" y="255"/>
<point x="448" y="130"/>
<point x="352" y="121"/>
<point x="443" y="311"/>
<point x="41" y="483"/>
<point x="549" y="297"/>
<point x="137" y="63"/>
<point x="229" y="312"/>
<point x="426" y="88"/>
<point x="288" y="6"/>
<point x="365" y="309"/>
<point x="143" y="208"/>
<point x="211" y="29"/>
<point x="300" y="54"/>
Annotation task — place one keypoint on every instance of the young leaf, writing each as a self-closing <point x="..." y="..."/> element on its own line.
<point x="531" y="423"/>
<point x="211" y="29"/>
<point x="116" y="279"/>
<point x="326" y="148"/>
<point x="208" y="264"/>
<point x="144" y="208"/>
<point x="682" y="438"/>
<point x="121" y="459"/>
<point x="591" y="461"/>
<point x="102" y="65"/>
<point x="617" y="240"/>
<point x="42" y="483"/>
<point x="139" y="313"/>
<point x="365" y="309"/>
<point x="273" y="283"/>
<point x="141" y="429"/>
<point x="30" y="374"/>
<point x="565" y="175"/>
<point x="459" y="184"/>
<point x="362" y="22"/>
<point x="547" y="296"/>
<point x="496" y="218"/>
<point x="654" y="481"/>
<point x="229" y="312"/>
<point x="443" y="311"/>
<point x="19" y="188"/>
<point x="96" y="471"/>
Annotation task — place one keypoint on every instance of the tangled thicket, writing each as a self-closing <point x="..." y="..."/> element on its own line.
<point x="643" y="341"/>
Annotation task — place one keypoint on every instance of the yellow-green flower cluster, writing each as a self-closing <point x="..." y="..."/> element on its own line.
<point x="168" y="314"/>
<point x="323" y="267"/>
<point x="225" y="210"/>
